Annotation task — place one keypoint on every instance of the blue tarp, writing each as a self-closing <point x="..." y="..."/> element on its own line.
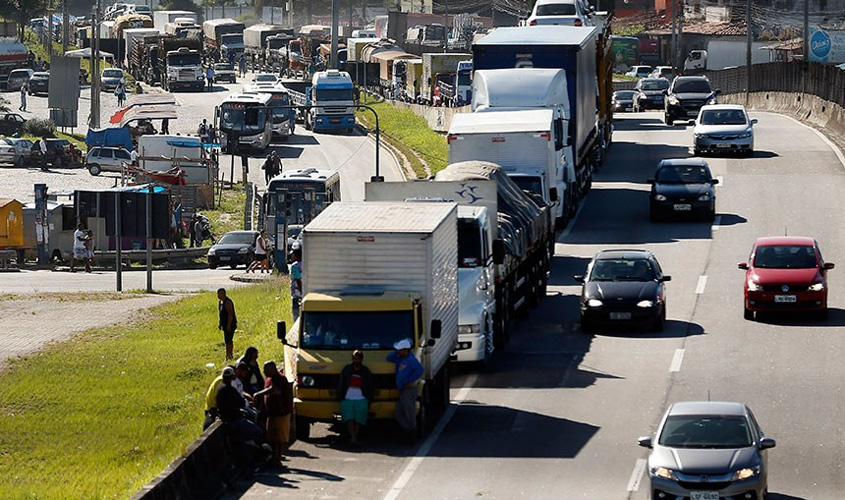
<point x="115" y="136"/>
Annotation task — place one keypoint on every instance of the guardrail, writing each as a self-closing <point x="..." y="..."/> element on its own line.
<point x="184" y="254"/>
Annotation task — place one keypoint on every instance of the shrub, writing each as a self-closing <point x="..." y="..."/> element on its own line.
<point x="40" y="127"/>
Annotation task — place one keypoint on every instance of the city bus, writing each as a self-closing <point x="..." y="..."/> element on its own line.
<point x="294" y="198"/>
<point x="284" y="115"/>
<point x="244" y="123"/>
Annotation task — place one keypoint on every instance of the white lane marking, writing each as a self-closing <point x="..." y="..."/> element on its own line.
<point x="716" y="222"/>
<point x="677" y="360"/>
<point x="424" y="450"/>
<point x="821" y="135"/>
<point x="637" y="475"/>
<point x="702" y="283"/>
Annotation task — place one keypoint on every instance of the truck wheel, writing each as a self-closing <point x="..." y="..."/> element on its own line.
<point x="667" y="118"/>
<point x="94" y="169"/>
<point x="302" y="428"/>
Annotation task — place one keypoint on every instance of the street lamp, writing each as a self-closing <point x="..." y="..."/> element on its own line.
<point x="377" y="177"/>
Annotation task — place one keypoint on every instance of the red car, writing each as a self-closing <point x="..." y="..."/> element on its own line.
<point x="785" y="274"/>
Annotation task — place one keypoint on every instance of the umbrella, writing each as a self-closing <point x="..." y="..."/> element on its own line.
<point x="86" y="53"/>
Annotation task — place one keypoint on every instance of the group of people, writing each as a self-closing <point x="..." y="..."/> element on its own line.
<point x="272" y="166"/>
<point x="199" y="230"/>
<point x="207" y="132"/>
<point x="83" y="247"/>
<point x="255" y="407"/>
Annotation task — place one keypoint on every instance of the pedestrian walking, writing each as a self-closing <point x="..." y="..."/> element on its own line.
<point x="89" y="250"/>
<point x="228" y="321"/>
<point x="278" y="407"/>
<point x="295" y="282"/>
<point x="24" y="90"/>
<point x="209" y="77"/>
<point x="277" y="163"/>
<point x="79" y="252"/>
<point x="267" y="167"/>
<point x="202" y="130"/>
<point x="165" y="126"/>
<point x="260" y="253"/>
<point x="242" y="66"/>
<point x="212" y="133"/>
<point x="120" y="92"/>
<point x="408" y="372"/>
<point x="355" y="392"/>
<point x="42" y="149"/>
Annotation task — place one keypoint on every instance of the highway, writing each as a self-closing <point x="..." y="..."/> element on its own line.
<point x="558" y="414"/>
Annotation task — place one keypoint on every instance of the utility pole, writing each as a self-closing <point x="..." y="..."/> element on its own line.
<point x="806" y="51"/>
<point x="678" y="57"/>
<point x="94" y="118"/>
<point x="50" y="11"/>
<point x="335" y="24"/>
<point x="748" y="51"/>
<point x="673" y="60"/>
<point x="65" y="26"/>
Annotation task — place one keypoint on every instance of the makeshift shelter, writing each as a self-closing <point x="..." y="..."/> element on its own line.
<point x="11" y="224"/>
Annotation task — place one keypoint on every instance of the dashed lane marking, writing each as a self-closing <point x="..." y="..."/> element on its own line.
<point x="677" y="359"/>
<point x="702" y="283"/>
<point x="637" y="475"/>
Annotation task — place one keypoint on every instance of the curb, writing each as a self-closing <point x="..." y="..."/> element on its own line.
<point x="257" y="278"/>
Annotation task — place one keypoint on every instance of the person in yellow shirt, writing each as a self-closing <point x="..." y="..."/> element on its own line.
<point x="211" y="399"/>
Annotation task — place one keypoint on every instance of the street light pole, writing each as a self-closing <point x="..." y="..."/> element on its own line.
<point x="673" y="61"/>
<point x="748" y="51"/>
<point x="377" y="177"/>
<point x="806" y="50"/>
<point x="335" y="25"/>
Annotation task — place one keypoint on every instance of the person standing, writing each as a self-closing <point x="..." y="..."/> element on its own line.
<point x="165" y="126"/>
<point x="260" y="253"/>
<point x="296" y="282"/>
<point x="408" y="372"/>
<point x="42" y="148"/>
<point x="228" y="321"/>
<point x="355" y="392"/>
<point x="267" y="167"/>
<point x="242" y="66"/>
<point x="24" y="89"/>
<point x="278" y="407"/>
<point x="89" y="250"/>
<point x="277" y="163"/>
<point x="79" y="251"/>
<point x="209" y="77"/>
<point x="212" y="133"/>
<point x="120" y="92"/>
<point x="202" y="130"/>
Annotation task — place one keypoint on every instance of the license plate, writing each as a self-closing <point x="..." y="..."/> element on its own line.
<point x="335" y="120"/>
<point x="692" y="114"/>
<point x="685" y="207"/>
<point x="704" y="495"/>
<point x="785" y="299"/>
<point x="724" y="145"/>
<point x="620" y="315"/>
<point x="222" y="259"/>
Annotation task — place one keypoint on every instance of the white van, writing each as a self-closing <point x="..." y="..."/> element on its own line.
<point x="561" y="12"/>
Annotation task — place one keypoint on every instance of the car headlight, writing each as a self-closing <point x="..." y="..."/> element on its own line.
<point x="594" y="303"/>
<point x="664" y="473"/>
<point x="200" y="77"/>
<point x="816" y="287"/>
<point x="746" y="134"/>
<point x="243" y="250"/>
<point x="307" y="381"/>
<point x="645" y="303"/>
<point x="711" y="100"/>
<point x="659" y="197"/>
<point x="746" y="473"/>
<point x="474" y="328"/>
<point x="704" y="197"/>
<point x="700" y="136"/>
<point x="754" y="286"/>
<point x="211" y="251"/>
<point x="673" y="101"/>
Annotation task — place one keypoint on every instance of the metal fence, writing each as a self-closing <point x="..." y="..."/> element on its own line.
<point x="824" y="81"/>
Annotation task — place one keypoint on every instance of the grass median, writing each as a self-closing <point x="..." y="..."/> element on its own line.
<point x="99" y="416"/>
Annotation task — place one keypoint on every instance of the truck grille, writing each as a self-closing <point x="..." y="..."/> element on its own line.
<point x="386" y="382"/>
<point x="336" y="111"/>
<point x="186" y="74"/>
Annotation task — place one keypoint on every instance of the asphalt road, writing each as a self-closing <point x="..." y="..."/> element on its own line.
<point x="557" y="414"/>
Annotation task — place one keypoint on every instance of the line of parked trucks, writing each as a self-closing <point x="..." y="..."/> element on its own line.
<point x="450" y="262"/>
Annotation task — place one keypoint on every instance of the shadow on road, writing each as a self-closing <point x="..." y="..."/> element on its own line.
<point x="636" y="162"/>
<point x="783" y="496"/>
<point x="288" y="152"/>
<point x="673" y="329"/>
<point x="835" y="318"/>
<point x="635" y="122"/>
<point x="564" y="267"/>
<point x="731" y="220"/>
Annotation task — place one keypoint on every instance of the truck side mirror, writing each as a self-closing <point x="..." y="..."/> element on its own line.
<point x="436" y="329"/>
<point x="553" y="195"/>
<point x="281" y="332"/>
<point x="498" y="251"/>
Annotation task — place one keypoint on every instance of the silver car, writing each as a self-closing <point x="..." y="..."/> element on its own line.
<point x="708" y="451"/>
<point x="17" y="152"/>
<point x="107" y="159"/>
<point x="17" y="77"/>
<point x="723" y="127"/>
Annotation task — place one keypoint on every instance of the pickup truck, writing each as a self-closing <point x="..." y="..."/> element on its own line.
<point x="224" y="72"/>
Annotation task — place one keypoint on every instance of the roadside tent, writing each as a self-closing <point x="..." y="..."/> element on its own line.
<point x="86" y="54"/>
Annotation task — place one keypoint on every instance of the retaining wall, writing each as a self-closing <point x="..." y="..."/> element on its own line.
<point x="439" y="119"/>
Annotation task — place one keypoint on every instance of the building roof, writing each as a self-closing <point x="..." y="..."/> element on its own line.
<point x="8" y="201"/>
<point x="705" y="28"/>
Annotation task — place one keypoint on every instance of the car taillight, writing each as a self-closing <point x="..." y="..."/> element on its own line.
<point x="532" y="22"/>
<point x="577" y="22"/>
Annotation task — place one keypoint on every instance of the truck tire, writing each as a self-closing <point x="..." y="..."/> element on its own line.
<point x="501" y="321"/>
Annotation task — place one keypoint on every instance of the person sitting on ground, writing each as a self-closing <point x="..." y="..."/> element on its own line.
<point x="242" y="375"/>
<point x="211" y="402"/>
<point x="244" y="434"/>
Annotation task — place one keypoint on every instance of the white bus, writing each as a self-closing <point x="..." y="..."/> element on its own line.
<point x="244" y="123"/>
<point x="280" y="105"/>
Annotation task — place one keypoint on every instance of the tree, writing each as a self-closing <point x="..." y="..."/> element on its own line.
<point x="188" y="5"/>
<point x="22" y="11"/>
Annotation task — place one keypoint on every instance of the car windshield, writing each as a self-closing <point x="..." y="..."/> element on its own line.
<point x="683" y="174"/>
<point x="237" y="239"/>
<point x="265" y="78"/>
<point x="112" y="73"/>
<point x="622" y="270"/>
<point x="624" y="94"/>
<point x="223" y="67"/>
<point x="706" y="431"/>
<point x="693" y="86"/>
<point x="556" y="9"/>
<point x="723" y="117"/>
<point x="354" y="330"/>
<point x="655" y="84"/>
<point x="785" y="257"/>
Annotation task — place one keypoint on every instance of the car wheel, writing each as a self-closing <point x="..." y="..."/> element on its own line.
<point x="748" y="314"/>
<point x="667" y="118"/>
<point x="212" y="266"/>
<point x="233" y="266"/>
<point x="19" y="162"/>
<point x="94" y="169"/>
<point x="696" y="152"/>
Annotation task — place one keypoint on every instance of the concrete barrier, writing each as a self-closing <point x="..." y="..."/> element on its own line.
<point x="439" y="118"/>
<point x="203" y="472"/>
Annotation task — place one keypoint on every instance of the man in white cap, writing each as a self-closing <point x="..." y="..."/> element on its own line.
<point x="408" y="372"/>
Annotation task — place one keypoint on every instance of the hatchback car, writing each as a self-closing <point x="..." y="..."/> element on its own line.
<point x="265" y="79"/>
<point x="14" y="151"/>
<point x="724" y="128"/>
<point x="708" y="450"/>
<point x="649" y="93"/>
<point x="39" y="83"/>
<point x="685" y="97"/>
<point x="234" y="248"/>
<point x="639" y="71"/>
<point x="111" y="79"/>
<point x="560" y="12"/>
<point x="785" y="274"/>
<point x="666" y="72"/>
<point x="682" y="187"/>
<point x="622" y="100"/>
<point x="106" y="159"/>
<point x="623" y="287"/>
<point x="17" y="77"/>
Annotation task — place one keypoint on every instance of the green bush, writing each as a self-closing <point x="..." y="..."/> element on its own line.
<point x="40" y="127"/>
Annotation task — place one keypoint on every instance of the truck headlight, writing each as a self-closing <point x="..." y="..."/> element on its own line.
<point x="307" y="381"/>
<point x="465" y="329"/>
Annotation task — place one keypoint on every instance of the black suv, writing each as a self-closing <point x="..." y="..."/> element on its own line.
<point x="685" y="97"/>
<point x="649" y="93"/>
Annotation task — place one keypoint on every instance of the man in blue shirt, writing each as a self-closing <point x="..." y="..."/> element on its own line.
<point x="408" y="372"/>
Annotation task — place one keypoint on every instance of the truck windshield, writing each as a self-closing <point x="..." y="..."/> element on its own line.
<point x="276" y="43"/>
<point x="232" y="39"/>
<point x="183" y="60"/>
<point x="464" y="80"/>
<point x="325" y="95"/>
<point x="238" y="117"/>
<point x="469" y="244"/>
<point x="356" y="330"/>
<point x="530" y="184"/>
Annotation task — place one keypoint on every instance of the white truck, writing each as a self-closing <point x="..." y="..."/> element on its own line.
<point x="439" y="67"/>
<point x="161" y="18"/>
<point x="504" y="90"/>
<point x="477" y="218"/>
<point x="331" y="98"/>
<point x="721" y="54"/>
<point x="528" y="145"/>
<point x="131" y="36"/>
<point x="374" y="273"/>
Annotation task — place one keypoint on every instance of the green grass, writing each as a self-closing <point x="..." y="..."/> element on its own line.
<point x="78" y="140"/>
<point x="412" y="131"/>
<point x="229" y="214"/>
<point x="101" y="415"/>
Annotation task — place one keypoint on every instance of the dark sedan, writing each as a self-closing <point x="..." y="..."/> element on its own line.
<point x="622" y="100"/>
<point x="39" y="83"/>
<point x="682" y="187"/>
<point x="623" y="287"/>
<point x="234" y="248"/>
<point x="649" y="93"/>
